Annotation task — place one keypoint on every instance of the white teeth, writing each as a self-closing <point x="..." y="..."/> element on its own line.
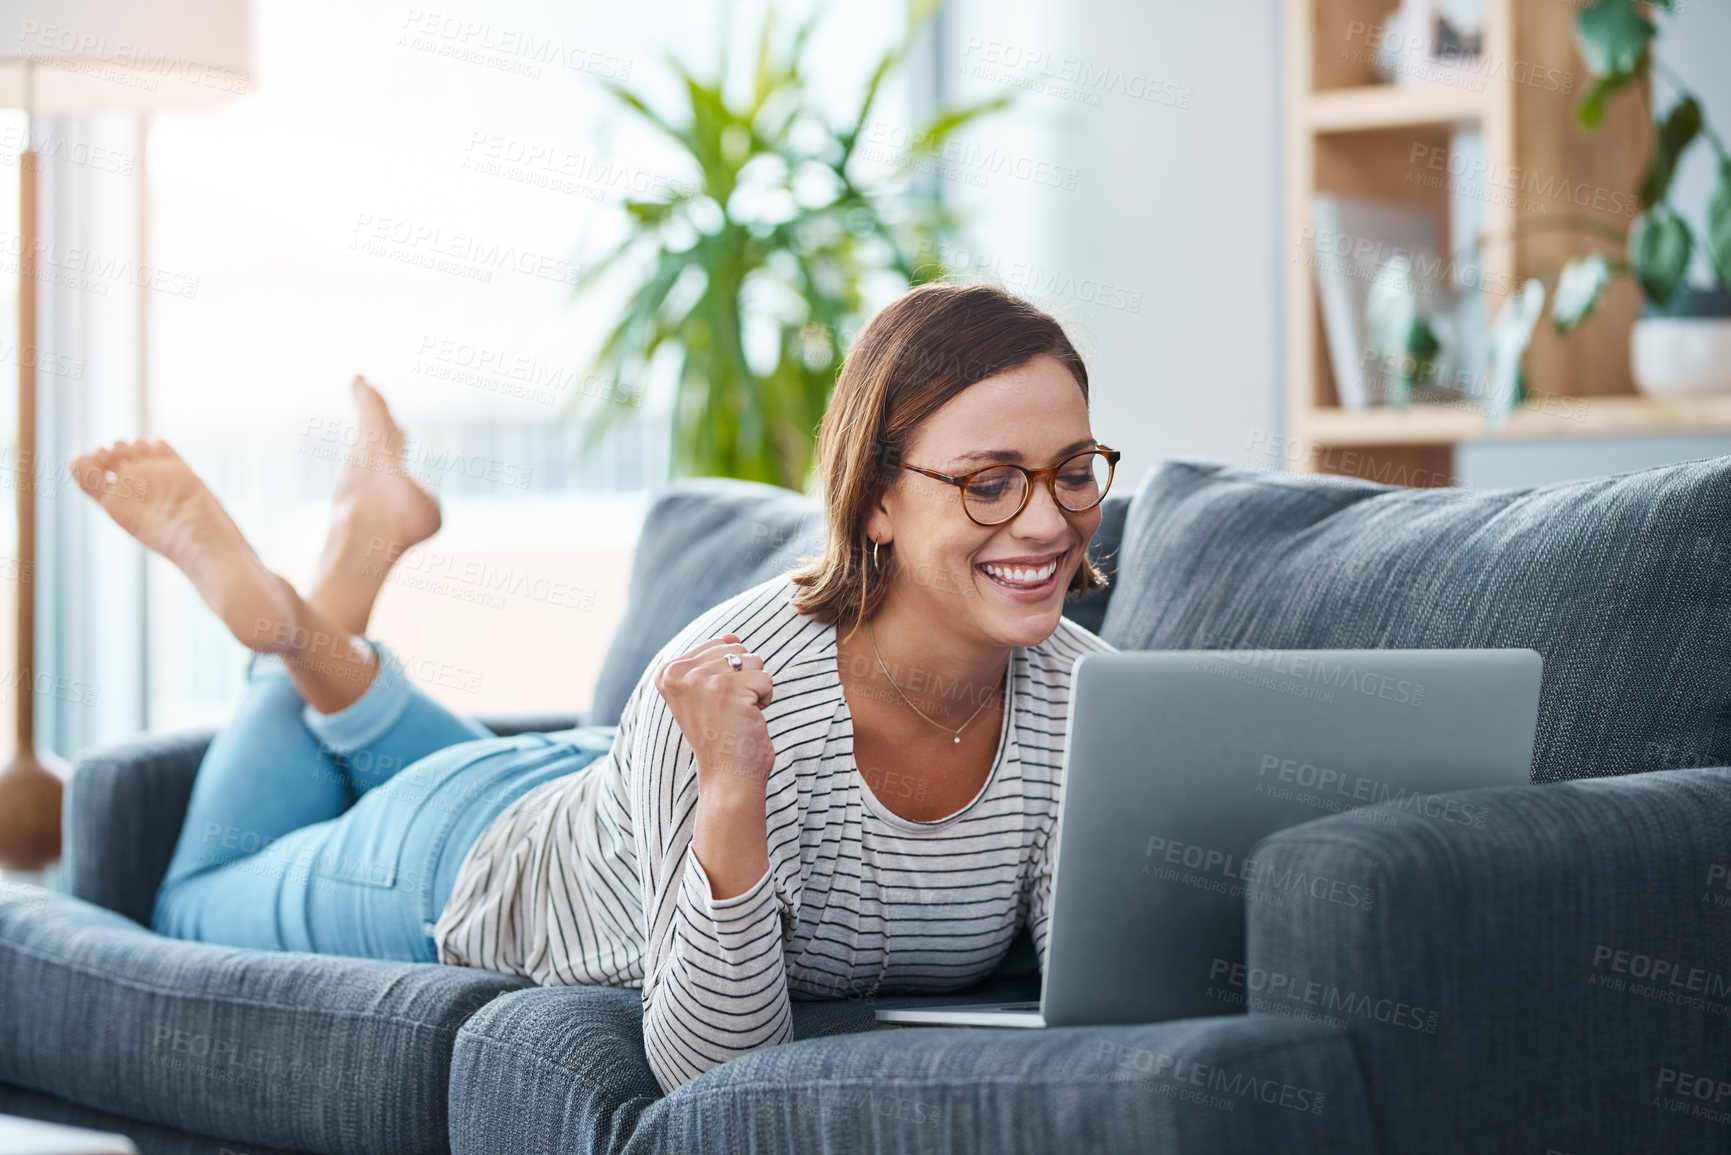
<point x="1022" y="575"/>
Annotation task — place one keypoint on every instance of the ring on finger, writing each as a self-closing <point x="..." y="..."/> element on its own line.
<point x="734" y="660"/>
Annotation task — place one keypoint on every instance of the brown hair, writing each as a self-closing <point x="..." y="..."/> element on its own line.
<point x="918" y="352"/>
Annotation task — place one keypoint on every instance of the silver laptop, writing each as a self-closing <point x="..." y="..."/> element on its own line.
<point x="1177" y="763"/>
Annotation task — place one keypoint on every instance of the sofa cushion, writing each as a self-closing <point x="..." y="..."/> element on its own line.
<point x="548" y="1070"/>
<point x="1622" y="583"/>
<point x="1090" y="612"/>
<point x="705" y="540"/>
<point x="300" y="1052"/>
<point x="702" y="542"/>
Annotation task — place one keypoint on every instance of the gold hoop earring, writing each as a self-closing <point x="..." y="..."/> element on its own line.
<point x="874" y="553"/>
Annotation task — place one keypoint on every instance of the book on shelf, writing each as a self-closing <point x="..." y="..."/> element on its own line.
<point x="1355" y="241"/>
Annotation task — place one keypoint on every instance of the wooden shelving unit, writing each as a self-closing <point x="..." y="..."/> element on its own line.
<point x="1555" y="416"/>
<point x="1384" y="106"/>
<point x="1349" y="133"/>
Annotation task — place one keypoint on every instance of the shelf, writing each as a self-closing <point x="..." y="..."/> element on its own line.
<point x="1555" y="416"/>
<point x="1350" y="133"/>
<point x="1370" y="107"/>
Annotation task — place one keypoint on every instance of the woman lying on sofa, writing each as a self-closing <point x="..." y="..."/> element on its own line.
<point x="788" y="803"/>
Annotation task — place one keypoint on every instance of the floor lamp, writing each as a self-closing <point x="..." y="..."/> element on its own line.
<point x="73" y="58"/>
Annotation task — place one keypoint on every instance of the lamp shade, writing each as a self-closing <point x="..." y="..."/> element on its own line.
<point x="69" y="57"/>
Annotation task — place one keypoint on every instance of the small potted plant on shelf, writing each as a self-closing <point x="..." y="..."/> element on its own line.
<point x="1683" y="342"/>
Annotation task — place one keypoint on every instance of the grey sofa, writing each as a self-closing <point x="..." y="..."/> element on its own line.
<point x="1565" y="964"/>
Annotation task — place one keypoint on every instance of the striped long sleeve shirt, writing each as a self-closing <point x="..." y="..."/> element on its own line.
<point x="590" y="879"/>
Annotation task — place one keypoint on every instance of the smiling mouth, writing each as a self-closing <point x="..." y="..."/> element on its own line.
<point x="1023" y="577"/>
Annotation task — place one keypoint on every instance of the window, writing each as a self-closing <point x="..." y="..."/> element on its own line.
<point x="410" y="196"/>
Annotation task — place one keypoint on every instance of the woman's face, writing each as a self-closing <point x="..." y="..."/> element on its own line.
<point x="1036" y="415"/>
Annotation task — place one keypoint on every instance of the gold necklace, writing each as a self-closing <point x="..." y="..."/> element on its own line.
<point x="958" y="736"/>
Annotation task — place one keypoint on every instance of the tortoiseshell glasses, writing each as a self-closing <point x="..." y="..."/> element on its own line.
<point x="998" y="493"/>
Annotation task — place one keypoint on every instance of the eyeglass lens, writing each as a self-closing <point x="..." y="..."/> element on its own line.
<point x="996" y="494"/>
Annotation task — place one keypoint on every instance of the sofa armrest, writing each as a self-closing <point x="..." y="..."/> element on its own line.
<point x="1520" y="968"/>
<point x="122" y="815"/>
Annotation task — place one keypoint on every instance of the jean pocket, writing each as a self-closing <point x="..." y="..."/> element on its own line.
<point x="370" y="845"/>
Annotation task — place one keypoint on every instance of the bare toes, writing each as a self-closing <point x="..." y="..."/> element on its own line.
<point x="123" y="451"/>
<point x="86" y="473"/>
<point x="94" y="475"/>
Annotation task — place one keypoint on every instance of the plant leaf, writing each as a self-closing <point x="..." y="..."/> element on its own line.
<point x="714" y="128"/>
<point x="1660" y="246"/>
<point x="1510" y="334"/>
<point x="1613" y="37"/>
<point x="1389" y="308"/>
<point x="632" y="101"/>
<point x="800" y="38"/>
<point x="764" y="79"/>
<point x="1719" y="226"/>
<point x="947" y="121"/>
<point x="920" y="13"/>
<point x="1418" y="365"/>
<point x="1681" y="126"/>
<point x="1590" y="113"/>
<point x="885" y="63"/>
<point x="1399" y="336"/>
<point x="594" y="271"/>
<point x="1579" y="290"/>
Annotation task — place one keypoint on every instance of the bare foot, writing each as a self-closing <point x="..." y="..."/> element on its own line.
<point x="375" y="490"/>
<point x="156" y="497"/>
<point x="377" y="512"/>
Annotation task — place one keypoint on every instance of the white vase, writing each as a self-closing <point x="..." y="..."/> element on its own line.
<point x="1681" y="355"/>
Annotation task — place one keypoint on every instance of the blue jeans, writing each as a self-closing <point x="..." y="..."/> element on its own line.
<point x="342" y="833"/>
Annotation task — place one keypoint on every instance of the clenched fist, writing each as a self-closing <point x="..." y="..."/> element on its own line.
<point x="720" y="712"/>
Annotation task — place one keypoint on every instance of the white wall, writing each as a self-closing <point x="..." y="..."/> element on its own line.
<point x="1163" y="259"/>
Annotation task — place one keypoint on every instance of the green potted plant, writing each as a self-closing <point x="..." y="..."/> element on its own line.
<point x="1615" y="38"/>
<point x="780" y="232"/>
